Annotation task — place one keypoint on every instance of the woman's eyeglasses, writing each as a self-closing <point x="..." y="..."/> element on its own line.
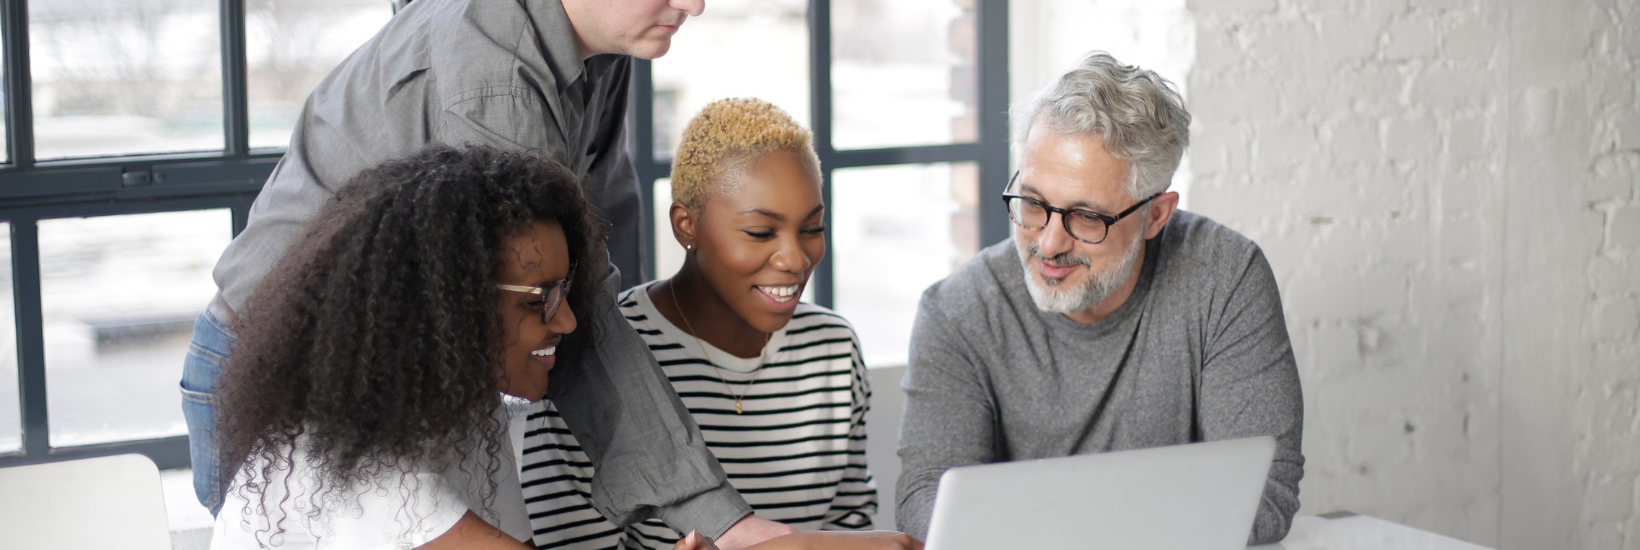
<point x="552" y="294"/>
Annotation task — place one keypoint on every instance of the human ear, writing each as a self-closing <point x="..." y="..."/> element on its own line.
<point x="683" y="225"/>
<point x="1160" y="210"/>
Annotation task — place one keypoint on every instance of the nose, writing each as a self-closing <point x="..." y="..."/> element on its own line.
<point x="563" y="320"/>
<point x="789" y="257"/>
<point x="1053" y="240"/>
<point x="692" y="7"/>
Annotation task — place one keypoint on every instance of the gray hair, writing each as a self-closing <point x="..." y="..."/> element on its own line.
<point x="1139" y="115"/>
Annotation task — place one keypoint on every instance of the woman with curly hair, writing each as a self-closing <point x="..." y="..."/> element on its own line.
<point x="776" y="385"/>
<point x="361" y="407"/>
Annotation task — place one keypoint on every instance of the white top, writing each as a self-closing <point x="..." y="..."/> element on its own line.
<point x="797" y="454"/>
<point x="396" y="510"/>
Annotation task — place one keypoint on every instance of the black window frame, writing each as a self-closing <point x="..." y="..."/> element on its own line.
<point x="32" y="190"/>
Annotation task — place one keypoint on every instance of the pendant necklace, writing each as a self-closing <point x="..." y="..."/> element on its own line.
<point x="672" y="289"/>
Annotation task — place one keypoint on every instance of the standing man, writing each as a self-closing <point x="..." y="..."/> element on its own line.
<point x="548" y="76"/>
<point x="1110" y="321"/>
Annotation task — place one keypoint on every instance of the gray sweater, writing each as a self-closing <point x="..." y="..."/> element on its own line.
<point x="1198" y="352"/>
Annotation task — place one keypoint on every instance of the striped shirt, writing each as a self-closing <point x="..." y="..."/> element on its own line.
<point x="797" y="454"/>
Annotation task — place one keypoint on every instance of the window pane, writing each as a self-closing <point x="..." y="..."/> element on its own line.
<point x="735" y="49"/>
<point x="913" y="215"/>
<point x="120" y="77"/>
<point x="119" y="295"/>
<point x="11" y="415"/>
<point x="289" y="46"/>
<point x="903" y="73"/>
<point x="668" y="253"/>
<point x="5" y="144"/>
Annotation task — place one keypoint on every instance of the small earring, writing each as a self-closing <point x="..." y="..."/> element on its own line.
<point x="688" y="247"/>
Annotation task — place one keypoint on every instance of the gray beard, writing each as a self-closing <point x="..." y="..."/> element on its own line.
<point x="1053" y="298"/>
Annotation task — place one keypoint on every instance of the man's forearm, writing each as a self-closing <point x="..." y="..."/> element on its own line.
<point x="712" y="512"/>
<point x="648" y="452"/>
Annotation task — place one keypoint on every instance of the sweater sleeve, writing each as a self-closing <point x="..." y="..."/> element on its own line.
<point x="856" y="500"/>
<point x="1250" y="387"/>
<point x="949" y="418"/>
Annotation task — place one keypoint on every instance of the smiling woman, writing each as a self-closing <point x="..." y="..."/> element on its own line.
<point x="361" y="406"/>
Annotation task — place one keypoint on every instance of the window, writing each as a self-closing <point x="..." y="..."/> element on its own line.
<point x="118" y="299"/>
<point x="11" y="420"/>
<point x="917" y="216"/>
<point x="128" y="165"/>
<point x="902" y="73"/>
<point x="121" y="77"/>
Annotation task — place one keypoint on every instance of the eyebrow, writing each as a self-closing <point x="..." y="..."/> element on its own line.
<point x="1078" y="205"/>
<point x="778" y="216"/>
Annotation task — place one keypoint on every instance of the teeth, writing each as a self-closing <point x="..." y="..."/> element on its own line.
<point x="780" y="291"/>
<point x="544" y="352"/>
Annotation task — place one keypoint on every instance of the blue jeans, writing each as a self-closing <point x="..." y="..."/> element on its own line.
<point x="200" y="370"/>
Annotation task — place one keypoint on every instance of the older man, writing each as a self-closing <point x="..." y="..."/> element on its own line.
<point x="548" y="76"/>
<point x="1110" y="320"/>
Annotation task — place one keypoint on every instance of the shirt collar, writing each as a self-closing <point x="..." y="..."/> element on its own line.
<point x="558" y="36"/>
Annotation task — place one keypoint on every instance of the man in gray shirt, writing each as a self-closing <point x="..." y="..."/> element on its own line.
<point x="1111" y="320"/>
<point x="538" y="75"/>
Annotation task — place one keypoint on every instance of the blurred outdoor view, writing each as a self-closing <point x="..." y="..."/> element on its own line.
<point x="120" y="77"/>
<point x="119" y="295"/>
<point x="11" y="419"/>
<point x="127" y="77"/>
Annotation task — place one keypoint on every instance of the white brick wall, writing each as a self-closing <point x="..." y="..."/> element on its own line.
<point x="1448" y="192"/>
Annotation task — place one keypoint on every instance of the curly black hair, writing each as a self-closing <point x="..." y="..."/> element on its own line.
<point x="377" y="337"/>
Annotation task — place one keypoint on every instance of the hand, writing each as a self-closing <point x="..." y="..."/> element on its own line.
<point x="751" y="530"/>
<point x="694" y="541"/>
<point x="842" y="540"/>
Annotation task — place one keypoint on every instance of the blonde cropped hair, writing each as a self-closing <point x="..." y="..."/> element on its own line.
<point x="730" y="135"/>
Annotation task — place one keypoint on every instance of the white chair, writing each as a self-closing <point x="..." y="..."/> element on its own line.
<point x="105" y="502"/>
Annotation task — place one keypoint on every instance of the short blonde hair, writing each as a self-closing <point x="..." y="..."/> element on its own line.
<point x="728" y="135"/>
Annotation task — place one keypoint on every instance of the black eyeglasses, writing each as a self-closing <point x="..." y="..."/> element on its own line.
<point x="552" y="294"/>
<point x="1083" y="225"/>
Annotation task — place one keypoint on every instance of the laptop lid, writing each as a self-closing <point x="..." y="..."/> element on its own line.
<point x="1201" y="496"/>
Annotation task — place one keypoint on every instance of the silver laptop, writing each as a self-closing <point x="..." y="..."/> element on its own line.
<point x="1188" y="497"/>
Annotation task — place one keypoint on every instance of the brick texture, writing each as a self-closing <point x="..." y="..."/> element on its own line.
<point x="1447" y="190"/>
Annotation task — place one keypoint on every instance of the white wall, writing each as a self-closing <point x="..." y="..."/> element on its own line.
<point x="1447" y="191"/>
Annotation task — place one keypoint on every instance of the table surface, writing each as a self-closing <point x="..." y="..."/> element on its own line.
<point x="1347" y="531"/>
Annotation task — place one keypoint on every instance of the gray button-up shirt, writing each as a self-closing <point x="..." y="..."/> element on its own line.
<point x="507" y="73"/>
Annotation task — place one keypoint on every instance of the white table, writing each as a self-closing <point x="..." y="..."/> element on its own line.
<point x="1347" y="531"/>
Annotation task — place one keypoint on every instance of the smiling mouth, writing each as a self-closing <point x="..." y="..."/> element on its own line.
<point x="545" y="352"/>
<point x="781" y="294"/>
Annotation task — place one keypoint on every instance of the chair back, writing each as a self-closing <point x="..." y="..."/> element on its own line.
<point x="103" y="502"/>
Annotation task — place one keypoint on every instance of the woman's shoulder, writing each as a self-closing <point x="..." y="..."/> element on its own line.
<point x="816" y="318"/>
<point x="629" y="298"/>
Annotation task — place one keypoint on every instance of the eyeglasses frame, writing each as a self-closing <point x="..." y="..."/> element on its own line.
<point x="550" y="310"/>
<point x="1065" y="220"/>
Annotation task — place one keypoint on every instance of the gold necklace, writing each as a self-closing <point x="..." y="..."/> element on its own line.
<point x="672" y="289"/>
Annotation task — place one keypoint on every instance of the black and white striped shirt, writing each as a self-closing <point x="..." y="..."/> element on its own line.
<point x="797" y="454"/>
